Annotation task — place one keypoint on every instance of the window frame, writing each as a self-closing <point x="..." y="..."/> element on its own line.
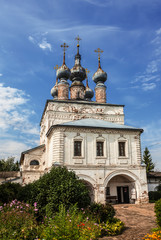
<point x="34" y="160"/>
<point x="74" y="151"/>
<point x="100" y="150"/>
<point x="120" y="150"/>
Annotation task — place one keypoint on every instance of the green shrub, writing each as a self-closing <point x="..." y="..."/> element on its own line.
<point x="59" y="186"/>
<point x="158" y="212"/>
<point x="101" y="212"/>
<point x="18" y="221"/>
<point x="154" y="196"/>
<point x="9" y="191"/>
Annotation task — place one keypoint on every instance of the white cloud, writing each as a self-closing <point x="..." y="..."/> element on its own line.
<point x="15" y="124"/>
<point x="45" y="45"/>
<point x="158" y="32"/>
<point x="151" y="138"/>
<point x="13" y="111"/>
<point x="31" y="39"/>
<point x="152" y="71"/>
<point x="12" y="148"/>
<point x="41" y="43"/>
<point x="1" y="74"/>
<point x="148" y="86"/>
<point x="152" y="67"/>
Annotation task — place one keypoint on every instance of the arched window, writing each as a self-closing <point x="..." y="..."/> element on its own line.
<point x="34" y="162"/>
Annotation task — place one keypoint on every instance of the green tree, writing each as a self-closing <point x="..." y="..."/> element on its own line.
<point x="59" y="186"/>
<point x="147" y="160"/>
<point x="9" y="165"/>
<point x="9" y="191"/>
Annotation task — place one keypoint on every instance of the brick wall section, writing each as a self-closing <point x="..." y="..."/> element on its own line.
<point x="77" y="92"/>
<point x="63" y="91"/>
<point x="100" y="93"/>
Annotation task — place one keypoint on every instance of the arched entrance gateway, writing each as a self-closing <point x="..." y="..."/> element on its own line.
<point x="122" y="187"/>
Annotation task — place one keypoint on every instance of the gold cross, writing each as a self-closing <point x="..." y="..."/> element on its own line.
<point x="87" y="71"/>
<point x="99" y="51"/>
<point x="78" y="39"/>
<point x="64" y="46"/>
<point x="56" y="67"/>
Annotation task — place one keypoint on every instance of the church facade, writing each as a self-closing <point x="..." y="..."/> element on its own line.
<point x="89" y="137"/>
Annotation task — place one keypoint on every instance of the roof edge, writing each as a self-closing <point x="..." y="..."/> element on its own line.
<point x="29" y="150"/>
<point x="110" y="128"/>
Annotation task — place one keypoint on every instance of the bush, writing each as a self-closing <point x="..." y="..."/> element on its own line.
<point x="101" y="213"/>
<point x="9" y="191"/>
<point x="18" y="221"/>
<point x="59" y="186"/>
<point x="158" y="212"/>
<point x="154" y="196"/>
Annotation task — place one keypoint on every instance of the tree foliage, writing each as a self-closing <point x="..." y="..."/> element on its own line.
<point x="9" y="191"/>
<point x="9" y="165"/>
<point x="147" y="160"/>
<point x="59" y="186"/>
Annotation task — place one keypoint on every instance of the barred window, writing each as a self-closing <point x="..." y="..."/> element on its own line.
<point x="100" y="149"/>
<point x="77" y="148"/>
<point x="122" y="149"/>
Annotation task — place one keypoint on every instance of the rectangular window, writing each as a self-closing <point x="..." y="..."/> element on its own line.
<point x="77" y="148"/>
<point x="121" y="149"/>
<point x="100" y="149"/>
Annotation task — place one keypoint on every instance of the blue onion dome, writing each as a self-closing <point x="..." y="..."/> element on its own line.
<point x="54" y="90"/>
<point x="77" y="72"/>
<point x="99" y="75"/>
<point x="63" y="72"/>
<point x="88" y="92"/>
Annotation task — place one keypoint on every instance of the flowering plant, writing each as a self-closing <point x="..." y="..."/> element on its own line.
<point x="18" y="221"/>
<point x="156" y="235"/>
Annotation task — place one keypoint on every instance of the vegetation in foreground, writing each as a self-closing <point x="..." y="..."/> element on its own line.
<point x="55" y="207"/>
<point x="20" y="220"/>
<point x="156" y="234"/>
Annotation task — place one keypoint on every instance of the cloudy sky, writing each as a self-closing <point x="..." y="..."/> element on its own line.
<point x="129" y="32"/>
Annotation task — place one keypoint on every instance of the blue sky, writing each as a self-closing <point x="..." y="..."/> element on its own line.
<point x="129" y="32"/>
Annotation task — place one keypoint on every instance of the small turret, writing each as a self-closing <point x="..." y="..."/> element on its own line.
<point x="99" y="77"/>
<point x="63" y="73"/>
<point x="78" y="74"/>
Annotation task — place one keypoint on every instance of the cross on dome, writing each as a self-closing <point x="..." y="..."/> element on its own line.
<point x="99" y="51"/>
<point x="64" y="46"/>
<point x="87" y="71"/>
<point x="78" y="40"/>
<point x="56" y="67"/>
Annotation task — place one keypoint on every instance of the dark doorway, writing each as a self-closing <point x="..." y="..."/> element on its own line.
<point x="123" y="194"/>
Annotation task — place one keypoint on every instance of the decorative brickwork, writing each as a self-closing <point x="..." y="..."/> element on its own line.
<point x="77" y="92"/>
<point x="63" y="91"/>
<point x="100" y="93"/>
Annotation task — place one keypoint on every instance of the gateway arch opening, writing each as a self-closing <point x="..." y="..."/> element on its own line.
<point x="121" y="189"/>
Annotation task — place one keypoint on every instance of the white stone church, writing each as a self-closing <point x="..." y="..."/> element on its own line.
<point x="89" y="137"/>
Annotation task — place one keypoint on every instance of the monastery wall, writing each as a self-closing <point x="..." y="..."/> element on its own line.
<point x="63" y="146"/>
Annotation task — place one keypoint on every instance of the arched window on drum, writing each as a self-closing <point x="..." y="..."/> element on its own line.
<point x="34" y="163"/>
